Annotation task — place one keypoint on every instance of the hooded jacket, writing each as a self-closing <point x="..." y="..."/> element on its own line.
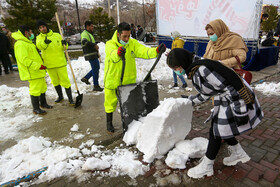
<point x="52" y="53"/>
<point x="114" y="64"/>
<point x="28" y="58"/>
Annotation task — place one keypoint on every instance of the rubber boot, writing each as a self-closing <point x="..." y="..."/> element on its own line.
<point x="205" y="167"/>
<point x="59" y="93"/>
<point x="237" y="154"/>
<point x="97" y="88"/>
<point x="43" y="101"/>
<point x="110" y="127"/>
<point x="35" y="104"/>
<point x="69" y="95"/>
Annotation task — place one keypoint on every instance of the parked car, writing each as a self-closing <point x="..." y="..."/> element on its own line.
<point x="75" y="39"/>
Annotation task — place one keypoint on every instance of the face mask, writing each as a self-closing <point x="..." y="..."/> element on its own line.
<point x="213" y="37"/>
<point x="31" y="37"/>
<point x="5" y="32"/>
<point x="123" y="43"/>
<point x="180" y="73"/>
<point x="172" y="37"/>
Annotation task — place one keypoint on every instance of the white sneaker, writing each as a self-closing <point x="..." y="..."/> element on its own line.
<point x="237" y="154"/>
<point x="205" y="167"/>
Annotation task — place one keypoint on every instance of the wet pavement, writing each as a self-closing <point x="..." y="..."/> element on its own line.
<point x="262" y="144"/>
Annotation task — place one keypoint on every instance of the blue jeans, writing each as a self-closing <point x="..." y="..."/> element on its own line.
<point x="180" y="76"/>
<point x="94" y="72"/>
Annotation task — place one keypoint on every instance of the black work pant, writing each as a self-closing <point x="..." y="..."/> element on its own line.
<point x="214" y="144"/>
<point x="4" y="57"/>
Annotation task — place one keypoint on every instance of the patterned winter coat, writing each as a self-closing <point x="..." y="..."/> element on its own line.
<point x="228" y="105"/>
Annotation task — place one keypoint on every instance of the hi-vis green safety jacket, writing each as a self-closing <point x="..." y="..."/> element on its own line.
<point x="28" y="58"/>
<point x="113" y="63"/>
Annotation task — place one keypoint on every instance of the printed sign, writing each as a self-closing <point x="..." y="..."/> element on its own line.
<point x="190" y="17"/>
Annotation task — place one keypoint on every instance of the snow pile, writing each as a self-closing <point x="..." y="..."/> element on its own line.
<point x="34" y="153"/>
<point x="161" y="129"/>
<point x="195" y="148"/>
<point x="269" y="88"/>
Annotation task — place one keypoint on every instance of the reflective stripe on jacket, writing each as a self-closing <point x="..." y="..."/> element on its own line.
<point x="88" y="45"/>
<point x="52" y="53"/>
<point x="28" y="58"/>
<point x="113" y="63"/>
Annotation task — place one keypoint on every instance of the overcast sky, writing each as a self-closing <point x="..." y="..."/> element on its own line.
<point x="274" y="2"/>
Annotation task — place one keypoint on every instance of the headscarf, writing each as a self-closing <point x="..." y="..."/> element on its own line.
<point x="226" y="39"/>
<point x="179" y="57"/>
<point x="176" y="34"/>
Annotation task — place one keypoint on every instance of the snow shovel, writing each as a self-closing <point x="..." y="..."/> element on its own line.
<point x="139" y="99"/>
<point x="79" y="98"/>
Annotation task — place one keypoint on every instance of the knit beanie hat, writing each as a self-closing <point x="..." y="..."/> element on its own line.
<point x="176" y="34"/>
<point x="41" y="22"/>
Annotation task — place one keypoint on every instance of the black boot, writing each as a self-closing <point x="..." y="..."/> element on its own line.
<point x="110" y="126"/>
<point x="59" y="93"/>
<point x="97" y="88"/>
<point x="85" y="80"/>
<point x="69" y="95"/>
<point x="125" y="127"/>
<point x="35" y="104"/>
<point x="43" y="101"/>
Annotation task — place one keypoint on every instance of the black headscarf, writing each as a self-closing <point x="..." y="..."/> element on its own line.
<point x="180" y="57"/>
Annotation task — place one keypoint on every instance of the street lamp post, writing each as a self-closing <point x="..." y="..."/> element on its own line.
<point x="78" y="16"/>
<point x="118" y="12"/>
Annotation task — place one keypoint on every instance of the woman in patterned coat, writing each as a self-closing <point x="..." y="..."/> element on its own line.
<point x="236" y="108"/>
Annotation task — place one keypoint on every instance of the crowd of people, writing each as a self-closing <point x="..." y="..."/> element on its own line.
<point x="235" y="106"/>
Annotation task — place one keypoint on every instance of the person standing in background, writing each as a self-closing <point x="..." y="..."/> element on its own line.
<point x="4" y="53"/>
<point x="12" y="42"/>
<point x="90" y="49"/>
<point x="133" y="31"/>
<point x="177" y="43"/>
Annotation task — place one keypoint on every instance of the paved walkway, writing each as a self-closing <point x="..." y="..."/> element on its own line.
<point x="262" y="145"/>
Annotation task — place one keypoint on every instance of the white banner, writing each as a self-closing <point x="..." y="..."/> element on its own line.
<point x="190" y="17"/>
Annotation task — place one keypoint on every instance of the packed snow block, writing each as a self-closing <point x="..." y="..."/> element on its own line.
<point x="168" y="124"/>
<point x="185" y="149"/>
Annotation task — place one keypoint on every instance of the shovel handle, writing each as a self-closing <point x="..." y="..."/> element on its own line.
<point x="123" y="68"/>
<point x="153" y="67"/>
<point x="66" y="52"/>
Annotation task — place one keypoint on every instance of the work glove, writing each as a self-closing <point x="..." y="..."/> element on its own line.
<point x="47" y="41"/>
<point x="63" y="42"/>
<point x="161" y="48"/>
<point x="121" y="51"/>
<point x="43" y="67"/>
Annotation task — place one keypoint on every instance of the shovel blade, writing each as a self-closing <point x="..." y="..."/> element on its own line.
<point x="137" y="100"/>
<point x="79" y="100"/>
